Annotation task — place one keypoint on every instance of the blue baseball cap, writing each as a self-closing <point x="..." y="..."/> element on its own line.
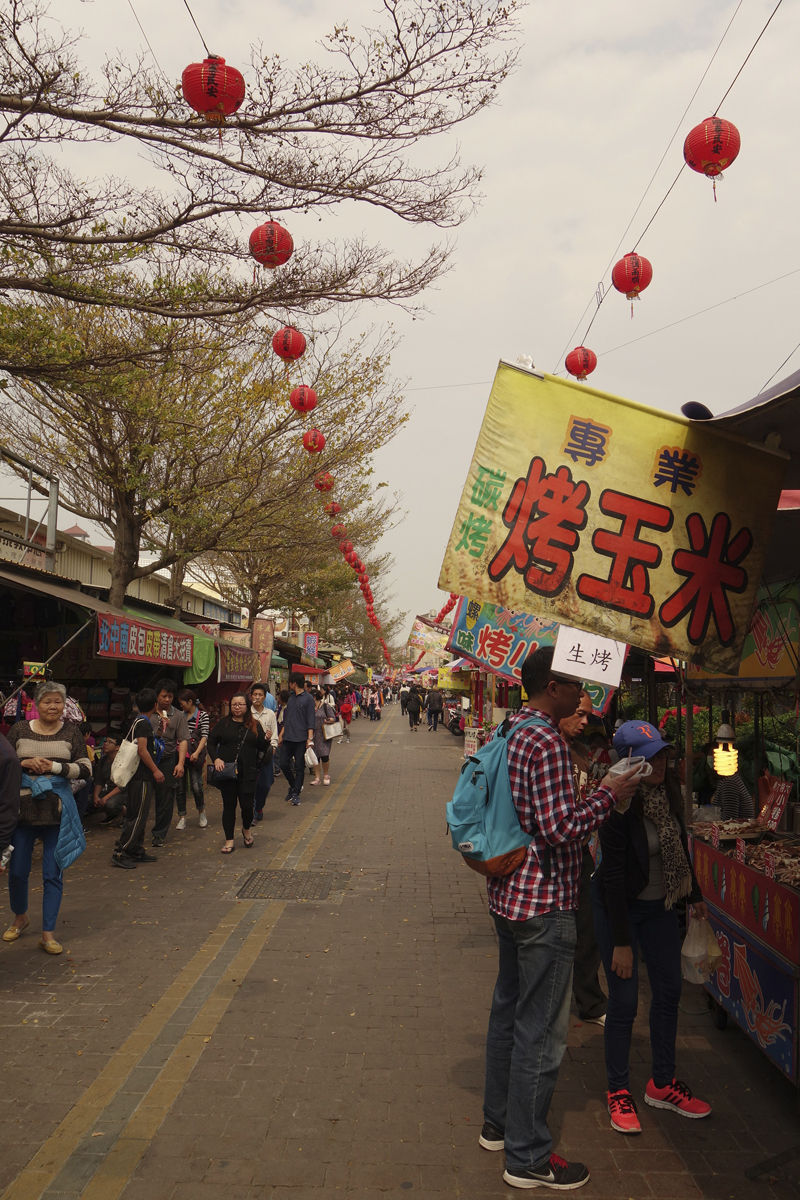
<point x="641" y="738"/>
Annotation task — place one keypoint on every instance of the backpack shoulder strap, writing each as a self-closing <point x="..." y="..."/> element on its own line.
<point x="506" y="729"/>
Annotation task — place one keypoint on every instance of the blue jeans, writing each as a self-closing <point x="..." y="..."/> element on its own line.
<point x="193" y="772"/>
<point x="655" y="930"/>
<point x="293" y="764"/>
<point x="19" y="869"/>
<point x="528" y="1031"/>
<point x="266" y="778"/>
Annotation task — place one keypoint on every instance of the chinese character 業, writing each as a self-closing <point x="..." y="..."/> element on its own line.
<point x="601" y="659"/>
<point x="627" y="587"/>
<point x="586" y="440"/>
<point x="543" y="514"/>
<point x="474" y="535"/>
<point x="465" y="640"/>
<point x="494" y="645"/>
<point x="712" y="570"/>
<point x="487" y="488"/>
<point x="576" y="654"/>
<point x="678" y="468"/>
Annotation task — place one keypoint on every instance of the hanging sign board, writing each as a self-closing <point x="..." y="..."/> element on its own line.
<point x="632" y="523"/>
<point x="582" y="655"/>
<point x="138" y="641"/>
<point x="341" y="670"/>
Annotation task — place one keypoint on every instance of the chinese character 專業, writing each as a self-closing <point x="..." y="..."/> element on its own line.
<point x="494" y="645"/>
<point x="576" y="654"/>
<point x="104" y="633"/>
<point x="586" y="440"/>
<point x="544" y="514"/>
<point x="678" y="468"/>
<point x="123" y="637"/>
<point x="474" y="535"/>
<point x="487" y="488"/>
<point x="601" y="659"/>
<point x="712" y="569"/>
<point x="627" y="588"/>
<point x="465" y="640"/>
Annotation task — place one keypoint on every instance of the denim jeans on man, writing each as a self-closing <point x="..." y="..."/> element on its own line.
<point x="265" y="780"/>
<point x="293" y="765"/>
<point x="654" y="929"/>
<point x="193" y="774"/>
<point x="20" y="868"/>
<point x="528" y="1031"/>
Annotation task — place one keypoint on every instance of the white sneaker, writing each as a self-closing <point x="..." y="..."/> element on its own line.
<point x="182" y="823"/>
<point x="596" y="1020"/>
<point x="203" y="820"/>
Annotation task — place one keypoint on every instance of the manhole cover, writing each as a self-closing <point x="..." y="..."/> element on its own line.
<point x="286" y="885"/>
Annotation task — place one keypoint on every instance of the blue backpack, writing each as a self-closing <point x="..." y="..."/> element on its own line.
<point x="481" y="817"/>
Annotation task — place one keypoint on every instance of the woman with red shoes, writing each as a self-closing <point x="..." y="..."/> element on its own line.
<point x="645" y="870"/>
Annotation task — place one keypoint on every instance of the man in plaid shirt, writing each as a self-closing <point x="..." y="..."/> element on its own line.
<point x="534" y="913"/>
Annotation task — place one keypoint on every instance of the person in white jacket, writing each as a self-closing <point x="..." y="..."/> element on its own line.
<point x="268" y="721"/>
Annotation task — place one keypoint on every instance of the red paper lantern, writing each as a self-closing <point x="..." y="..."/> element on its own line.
<point x="212" y="88"/>
<point x="580" y="362"/>
<point x="332" y="508"/>
<point x="363" y="579"/>
<point x="302" y="399"/>
<point x="324" y="482"/>
<point x="346" y="548"/>
<point x="350" y="557"/>
<point x="631" y="275"/>
<point x="271" y="244"/>
<point x="712" y="146"/>
<point x="289" y="343"/>
<point x="337" y="531"/>
<point x="313" y="441"/>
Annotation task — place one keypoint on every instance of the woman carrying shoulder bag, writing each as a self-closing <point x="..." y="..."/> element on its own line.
<point x="324" y="714"/>
<point x="52" y="753"/>
<point x="234" y="745"/>
<point x="645" y="870"/>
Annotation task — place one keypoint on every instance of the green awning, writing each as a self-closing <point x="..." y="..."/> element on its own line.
<point x="204" y="650"/>
<point x="278" y="660"/>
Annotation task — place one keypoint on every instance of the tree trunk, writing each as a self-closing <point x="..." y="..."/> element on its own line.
<point x="126" y="557"/>
<point x="177" y="576"/>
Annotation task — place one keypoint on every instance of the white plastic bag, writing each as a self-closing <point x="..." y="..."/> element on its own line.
<point x="126" y="761"/>
<point x="700" y="953"/>
<point x="311" y="758"/>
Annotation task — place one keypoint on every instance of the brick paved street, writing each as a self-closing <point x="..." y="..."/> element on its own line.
<point x="190" y="1046"/>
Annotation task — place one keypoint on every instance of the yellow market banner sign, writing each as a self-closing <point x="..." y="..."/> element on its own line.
<point x="615" y="518"/>
<point x="341" y="670"/>
<point x="452" y="681"/>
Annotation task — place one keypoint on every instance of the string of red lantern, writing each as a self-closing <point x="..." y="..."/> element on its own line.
<point x="449" y="606"/>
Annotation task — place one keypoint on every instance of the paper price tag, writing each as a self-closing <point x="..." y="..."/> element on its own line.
<point x="715" y="835"/>
<point x="769" y="864"/>
<point x="740" y="850"/>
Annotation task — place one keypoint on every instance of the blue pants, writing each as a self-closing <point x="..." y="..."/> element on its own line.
<point x="528" y="1031"/>
<point x="655" y="930"/>
<point x="293" y="764"/>
<point x="266" y="778"/>
<point x="19" y="869"/>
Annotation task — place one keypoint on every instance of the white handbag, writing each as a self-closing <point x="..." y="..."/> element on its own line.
<point x="126" y="761"/>
<point x="333" y="730"/>
<point x="311" y="758"/>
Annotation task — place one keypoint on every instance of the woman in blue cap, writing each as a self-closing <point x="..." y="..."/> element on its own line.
<point x="645" y="870"/>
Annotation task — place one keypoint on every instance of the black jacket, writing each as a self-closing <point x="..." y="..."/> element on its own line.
<point x="10" y="783"/>
<point x="624" y="870"/>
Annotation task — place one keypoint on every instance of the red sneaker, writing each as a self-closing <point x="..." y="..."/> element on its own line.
<point x="678" y="1097"/>
<point x="622" y="1109"/>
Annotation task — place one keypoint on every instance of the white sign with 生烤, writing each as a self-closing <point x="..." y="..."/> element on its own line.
<point x="582" y="655"/>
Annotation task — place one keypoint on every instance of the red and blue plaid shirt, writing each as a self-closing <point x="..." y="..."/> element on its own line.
<point x="540" y="770"/>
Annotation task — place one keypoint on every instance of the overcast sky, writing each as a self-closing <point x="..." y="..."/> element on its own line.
<point x="567" y="153"/>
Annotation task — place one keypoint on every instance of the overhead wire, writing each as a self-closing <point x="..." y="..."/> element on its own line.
<point x="146" y="38"/>
<point x="643" y="197"/>
<point x="197" y="27"/>
<point x="600" y="292"/>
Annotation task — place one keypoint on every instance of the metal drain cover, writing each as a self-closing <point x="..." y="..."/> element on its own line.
<point x="286" y="885"/>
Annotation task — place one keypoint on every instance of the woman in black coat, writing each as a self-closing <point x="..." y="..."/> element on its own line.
<point x="644" y="871"/>
<point x="238" y="738"/>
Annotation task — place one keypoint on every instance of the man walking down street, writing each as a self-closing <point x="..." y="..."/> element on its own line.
<point x="404" y="690"/>
<point x="435" y="706"/>
<point x="589" y="995"/>
<point x="269" y="723"/>
<point x="169" y="724"/>
<point x="534" y="915"/>
<point x="297" y="734"/>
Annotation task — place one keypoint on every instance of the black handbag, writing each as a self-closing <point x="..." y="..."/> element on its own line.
<point x="230" y="771"/>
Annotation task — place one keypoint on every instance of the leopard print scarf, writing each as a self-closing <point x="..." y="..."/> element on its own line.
<point x="677" y="873"/>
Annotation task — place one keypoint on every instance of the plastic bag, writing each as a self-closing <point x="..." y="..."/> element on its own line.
<point x="311" y="757"/>
<point x="700" y="953"/>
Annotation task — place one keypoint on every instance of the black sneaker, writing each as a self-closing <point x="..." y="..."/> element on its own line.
<point x="143" y="857"/>
<point x="554" y="1173"/>
<point x="290" y="794"/>
<point x="157" y="843"/>
<point x="127" y="864"/>
<point x="491" y="1137"/>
